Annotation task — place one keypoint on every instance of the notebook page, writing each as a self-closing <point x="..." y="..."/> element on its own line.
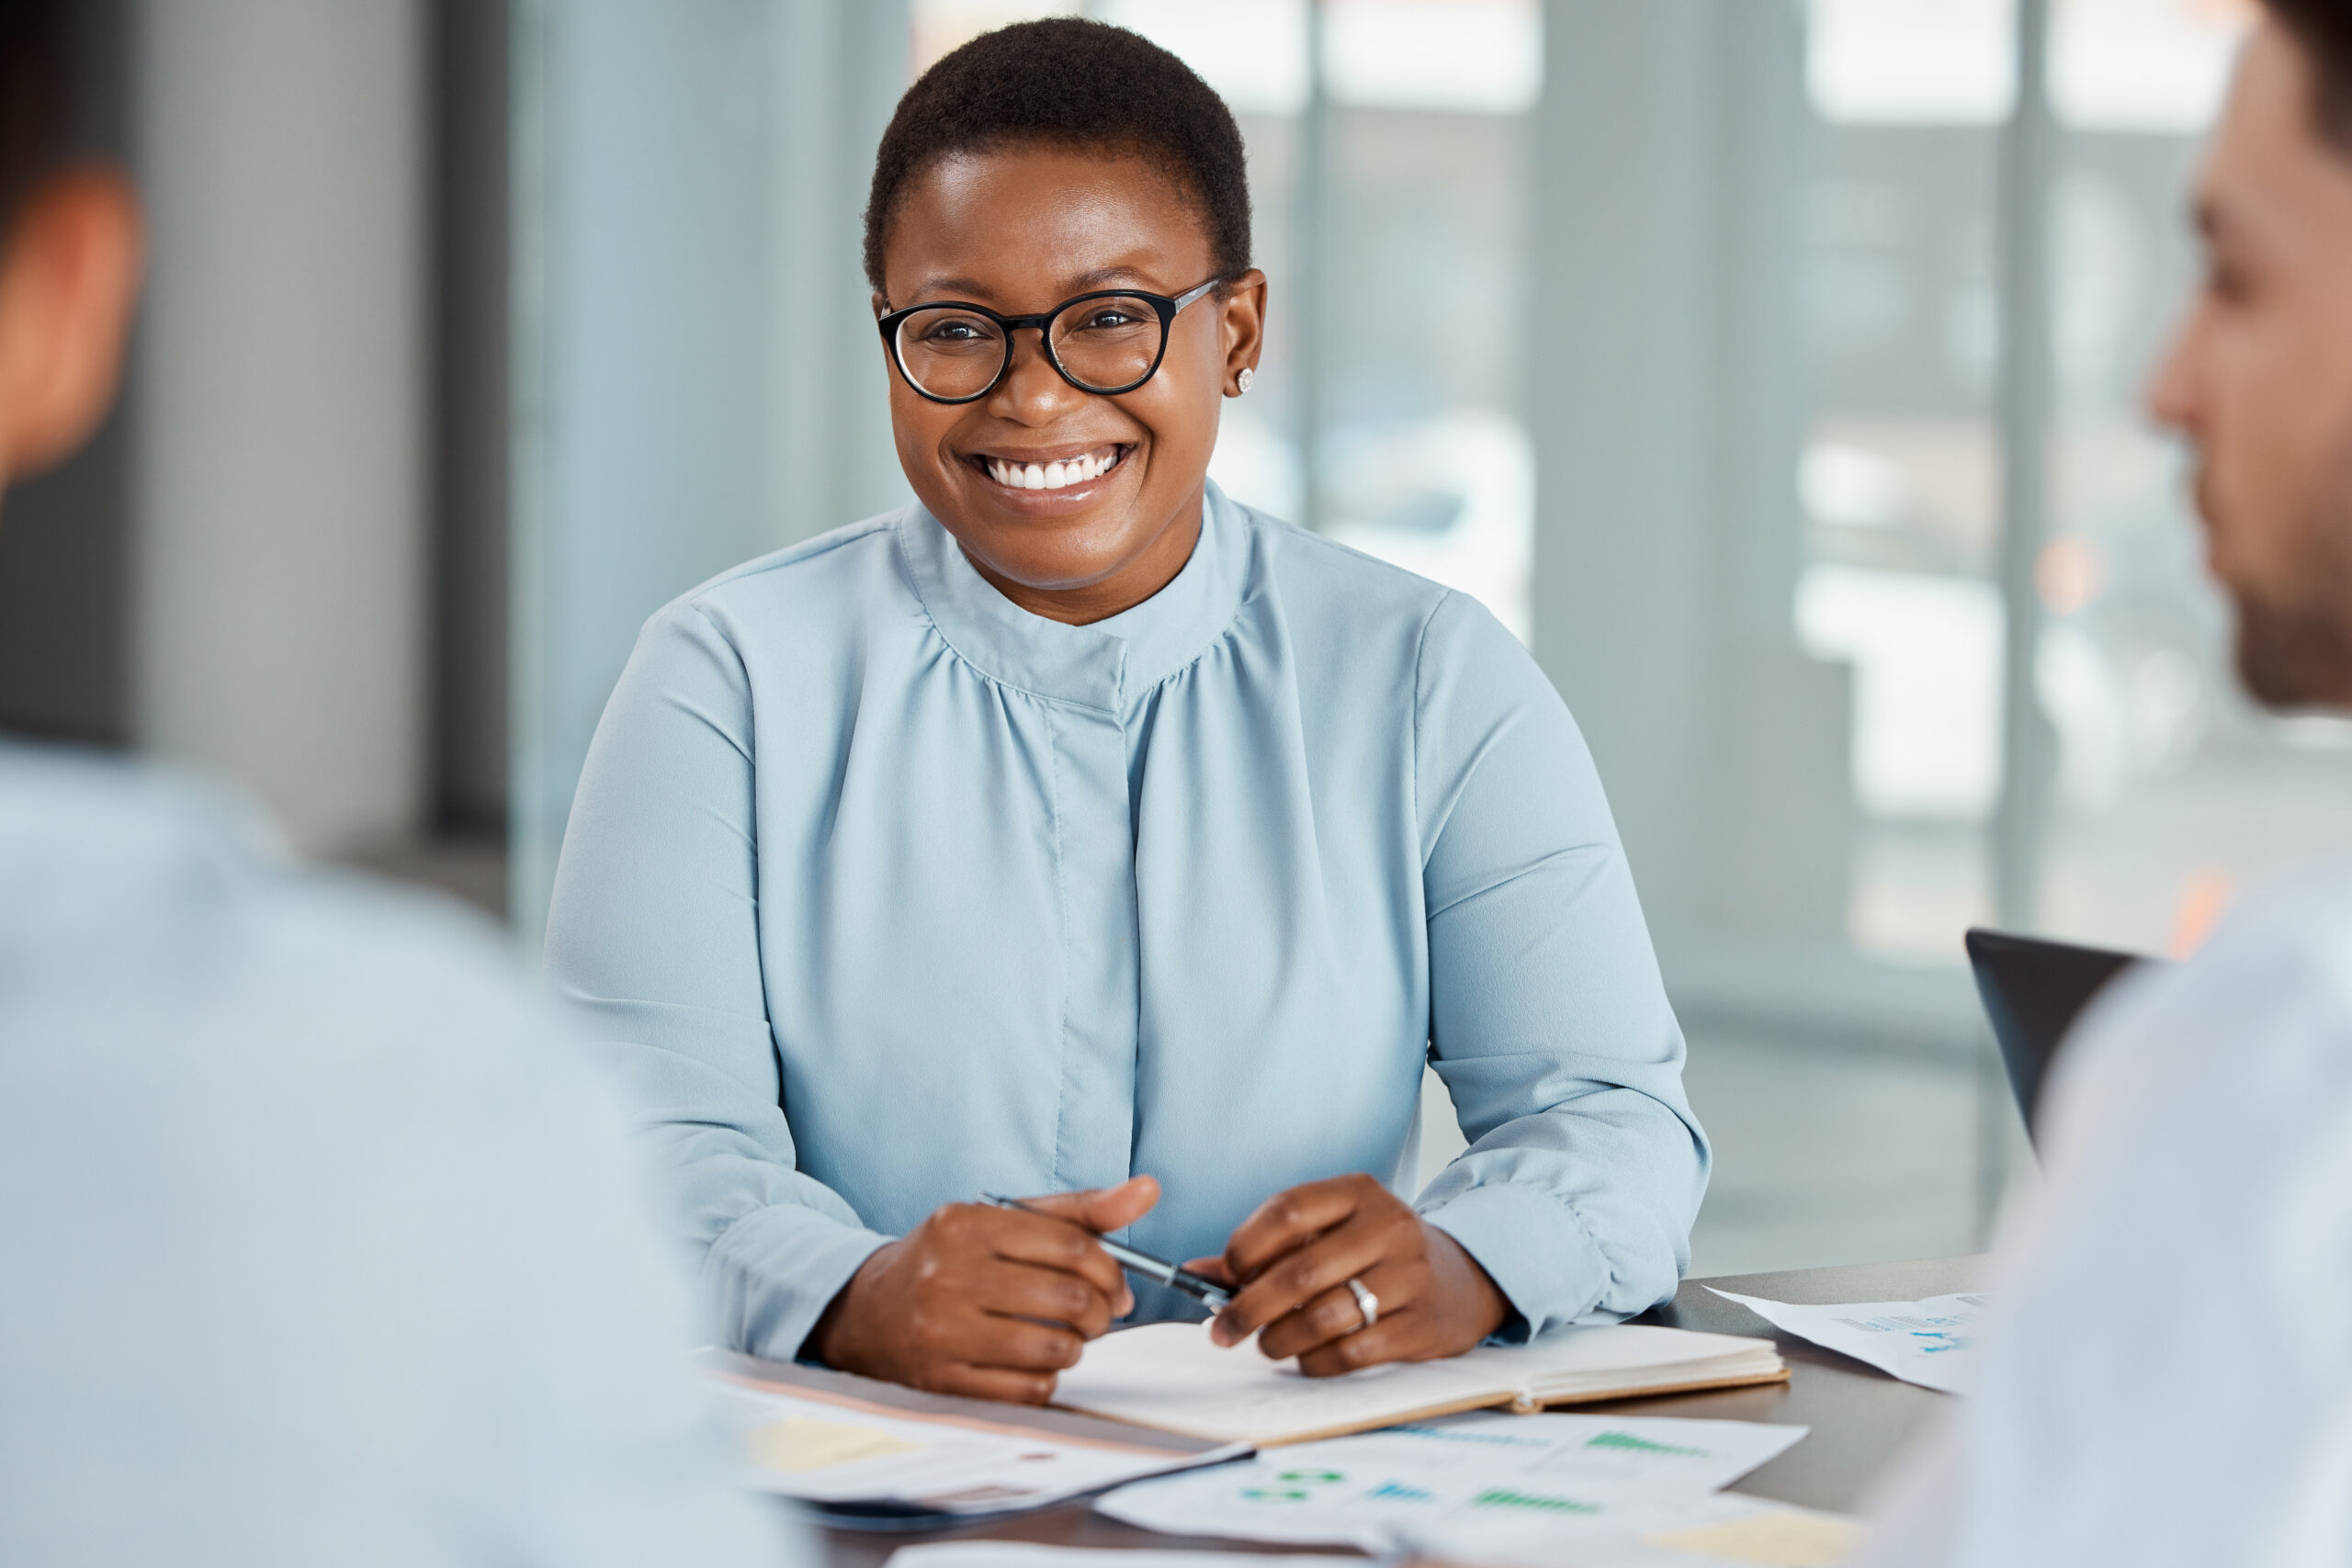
<point x="1619" y="1355"/>
<point x="1172" y="1375"/>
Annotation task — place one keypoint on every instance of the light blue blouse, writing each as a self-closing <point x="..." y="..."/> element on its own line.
<point x="891" y="893"/>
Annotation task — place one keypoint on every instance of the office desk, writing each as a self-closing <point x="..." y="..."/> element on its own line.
<point x="1860" y="1418"/>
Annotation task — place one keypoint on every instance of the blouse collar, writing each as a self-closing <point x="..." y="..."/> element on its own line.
<point x="1104" y="665"/>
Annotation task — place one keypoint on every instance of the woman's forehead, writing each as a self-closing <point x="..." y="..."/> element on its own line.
<point x="1043" y="219"/>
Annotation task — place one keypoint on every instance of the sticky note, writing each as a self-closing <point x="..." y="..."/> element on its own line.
<point x="796" y="1445"/>
<point x="1784" y="1540"/>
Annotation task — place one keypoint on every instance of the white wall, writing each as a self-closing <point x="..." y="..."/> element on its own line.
<point x="279" y="602"/>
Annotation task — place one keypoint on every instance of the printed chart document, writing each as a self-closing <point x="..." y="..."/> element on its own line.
<point x="1026" y="1554"/>
<point x="1704" y="1533"/>
<point x="1922" y="1342"/>
<point x="1442" y="1485"/>
<point x="1173" y="1377"/>
<point x="1713" y="1531"/>
<point x="818" y="1439"/>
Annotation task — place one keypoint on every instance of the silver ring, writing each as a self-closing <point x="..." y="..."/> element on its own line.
<point x="1366" y="1303"/>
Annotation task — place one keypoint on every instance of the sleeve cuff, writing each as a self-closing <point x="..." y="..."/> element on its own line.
<point x="772" y="1274"/>
<point x="1532" y="1249"/>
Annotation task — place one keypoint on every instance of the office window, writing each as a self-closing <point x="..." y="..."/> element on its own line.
<point x="1901" y="475"/>
<point x="1899" y="478"/>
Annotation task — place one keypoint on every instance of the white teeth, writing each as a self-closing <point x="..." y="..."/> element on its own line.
<point x="1057" y="475"/>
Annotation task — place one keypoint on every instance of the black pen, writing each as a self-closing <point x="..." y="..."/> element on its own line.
<point x="1158" y="1269"/>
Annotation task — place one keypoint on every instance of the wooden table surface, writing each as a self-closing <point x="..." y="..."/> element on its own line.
<point x="1860" y="1418"/>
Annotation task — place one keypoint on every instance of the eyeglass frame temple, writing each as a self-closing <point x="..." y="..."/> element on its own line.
<point x="1162" y="306"/>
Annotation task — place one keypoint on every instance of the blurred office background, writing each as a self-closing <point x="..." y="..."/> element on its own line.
<point x="1769" y="366"/>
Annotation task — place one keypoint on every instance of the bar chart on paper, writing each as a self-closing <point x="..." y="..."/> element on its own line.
<point x="1925" y="1342"/>
<point x="1439" y="1483"/>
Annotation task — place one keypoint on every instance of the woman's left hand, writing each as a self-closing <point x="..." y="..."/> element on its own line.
<point x="1293" y="1258"/>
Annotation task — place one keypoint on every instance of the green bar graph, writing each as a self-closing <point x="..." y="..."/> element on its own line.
<point x="1503" y="1498"/>
<point x="1627" y="1442"/>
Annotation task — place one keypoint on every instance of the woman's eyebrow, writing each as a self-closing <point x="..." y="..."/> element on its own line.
<point x="928" y="286"/>
<point x="1103" y="275"/>
<point x="973" y="289"/>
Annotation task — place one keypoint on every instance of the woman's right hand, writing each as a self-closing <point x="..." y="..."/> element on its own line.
<point x="987" y="1302"/>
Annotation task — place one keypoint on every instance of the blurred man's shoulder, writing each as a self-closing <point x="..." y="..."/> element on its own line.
<point x="2265" y="1003"/>
<point x="132" y="891"/>
<point x="2295" y="929"/>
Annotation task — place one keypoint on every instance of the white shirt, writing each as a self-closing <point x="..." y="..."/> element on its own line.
<point x="2168" y="1376"/>
<point x="318" y="1243"/>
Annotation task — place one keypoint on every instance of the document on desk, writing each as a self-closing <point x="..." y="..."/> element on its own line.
<point x="1703" y="1532"/>
<point x="1171" y="1376"/>
<point x="828" y="1450"/>
<point x="1031" y="1555"/>
<point x="1924" y="1342"/>
<point x="1437" y="1485"/>
<point x="1707" y="1533"/>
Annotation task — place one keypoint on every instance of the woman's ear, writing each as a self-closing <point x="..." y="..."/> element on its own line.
<point x="68" y="278"/>
<point x="1245" y="328"/>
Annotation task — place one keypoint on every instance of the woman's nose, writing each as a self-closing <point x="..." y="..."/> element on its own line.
<point x="1031" y="390"/>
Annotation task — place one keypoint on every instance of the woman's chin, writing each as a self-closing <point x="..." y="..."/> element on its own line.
<point x="1048" y="549"/>
<point x="1021" y="562"/>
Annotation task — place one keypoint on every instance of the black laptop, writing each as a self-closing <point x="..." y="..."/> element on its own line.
<point x="2033" y="990"/>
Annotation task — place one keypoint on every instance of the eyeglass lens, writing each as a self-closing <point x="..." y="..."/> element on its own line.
<point x="1104" y="345"/>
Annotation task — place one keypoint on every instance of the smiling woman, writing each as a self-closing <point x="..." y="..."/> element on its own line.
<point x="1077" y="831"/>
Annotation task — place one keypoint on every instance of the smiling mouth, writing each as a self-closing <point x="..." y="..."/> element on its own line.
<point x="1064" y="473"/>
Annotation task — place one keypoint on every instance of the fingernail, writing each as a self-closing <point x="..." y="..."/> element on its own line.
<point x="1220" y="1334"/>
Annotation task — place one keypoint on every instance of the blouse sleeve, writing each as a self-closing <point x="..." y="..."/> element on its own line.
<point x="653" y="932"/>
<point x="1549" y="1022"/>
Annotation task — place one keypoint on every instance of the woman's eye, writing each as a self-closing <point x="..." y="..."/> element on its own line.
<point x="951" y="331"/>
<point x="1112" y="318"/>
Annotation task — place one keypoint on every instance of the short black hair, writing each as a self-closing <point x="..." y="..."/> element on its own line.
<point x="1082" y="84"/>
<point x="36" y="98"/>
<point x="2324" y="29"/>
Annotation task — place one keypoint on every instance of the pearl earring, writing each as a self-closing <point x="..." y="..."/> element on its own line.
<point x="1241" y="382"/>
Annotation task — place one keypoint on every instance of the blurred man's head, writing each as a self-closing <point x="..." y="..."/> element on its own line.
<point x="69" y="252"/>
<point x="2260" y="378"/>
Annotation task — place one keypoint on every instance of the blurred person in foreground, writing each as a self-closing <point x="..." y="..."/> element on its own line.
<point x="2168" y="1378"/>
<point x="316" y="1244"/>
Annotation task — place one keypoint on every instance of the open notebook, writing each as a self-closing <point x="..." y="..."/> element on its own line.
<point x="1171" y="1376"/>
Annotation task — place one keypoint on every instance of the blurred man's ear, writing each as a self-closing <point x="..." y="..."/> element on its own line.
<point x="69" y="276"/>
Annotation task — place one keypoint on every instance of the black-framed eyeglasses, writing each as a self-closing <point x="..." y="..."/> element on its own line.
<point x="1108" y="342"/>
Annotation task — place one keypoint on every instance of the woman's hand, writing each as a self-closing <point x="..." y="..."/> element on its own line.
<point x="1293" y="1259"/>
<point x="983" y="1300"/>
